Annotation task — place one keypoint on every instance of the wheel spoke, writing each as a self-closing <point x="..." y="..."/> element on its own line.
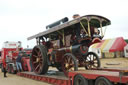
<point x="89" y="66"/>
<point x="70" y="66"/>
<point x="94" y="66"/>
<point x="39" y="54"/>
<point x="71" y="69"/>
<point x="66" y="59"/>
<point x="95" y="62"/>
<point x="69" y="60"/>
<point x="93" y="57"/>
<point x="36" y="50"/>
<point x="37" y="67"/>
<point x="41" y="60"/>
<point x="90" y="57"/>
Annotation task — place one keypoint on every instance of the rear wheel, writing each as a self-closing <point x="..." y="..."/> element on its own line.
<point x="102" y="81"/>
<point x="80" y="80"/>
<point x="69" y="63"/>
<point x="92" y="61"/>
<point x="39" y="59"/>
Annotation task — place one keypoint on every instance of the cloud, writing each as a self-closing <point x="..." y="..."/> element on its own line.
<point x="20" y="19"/>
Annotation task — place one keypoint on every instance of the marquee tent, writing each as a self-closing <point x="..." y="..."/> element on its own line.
<point x="110" y="45"/>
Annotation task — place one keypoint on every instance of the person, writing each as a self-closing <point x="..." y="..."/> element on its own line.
<point x="31" y="62"/>
<point x="77" y="26"/>
<point x="4" y="68"/>
<point x="96" y="33"/>
<point x="18" y="62"/>
<point x="75" y="16"/>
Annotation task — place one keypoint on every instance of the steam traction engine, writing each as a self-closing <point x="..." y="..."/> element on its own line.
<point x="65" y="44"/>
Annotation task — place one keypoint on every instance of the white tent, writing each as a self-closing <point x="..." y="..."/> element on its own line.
<point x="95" y="50"/>
<point x="126" y="50"/>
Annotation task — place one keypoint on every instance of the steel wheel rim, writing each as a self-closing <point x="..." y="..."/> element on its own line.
<point x="91" y="61"/>
<point x="37" y="60"/>
<point x="67" y="64"/>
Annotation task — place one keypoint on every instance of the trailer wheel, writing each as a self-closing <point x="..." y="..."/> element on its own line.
<point x="103" y="81"/>
<point x="9" y="69"/>
<point x="92" y="61"/>
<point x="80" y="80"/>
<point x="12" y="70"/>
<point x="69" y="63"/>
<point x="39" y="59"/>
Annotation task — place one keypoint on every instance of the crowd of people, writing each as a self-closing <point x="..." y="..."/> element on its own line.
<point x="18" y="64"/>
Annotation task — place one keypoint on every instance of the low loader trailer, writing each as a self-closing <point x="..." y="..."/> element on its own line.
<point x="101" y="76"/>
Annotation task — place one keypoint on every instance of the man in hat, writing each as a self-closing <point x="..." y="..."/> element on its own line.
<point x="77" y="31"/>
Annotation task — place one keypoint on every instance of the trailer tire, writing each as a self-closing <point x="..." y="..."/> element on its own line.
<point x="102" y="81"/>
<point x="12" y="70"/>
<point x="9" y="68"/>
<point x="80" y="80"/>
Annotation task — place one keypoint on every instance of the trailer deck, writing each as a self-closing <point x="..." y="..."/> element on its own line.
<point x="119" y="75"/>
<point x="112" y="76"/>
<point x="56" y="78"/>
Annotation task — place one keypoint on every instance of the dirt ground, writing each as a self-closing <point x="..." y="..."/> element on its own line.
<point x="114" y="62"/>
<point x="17" y="80"/>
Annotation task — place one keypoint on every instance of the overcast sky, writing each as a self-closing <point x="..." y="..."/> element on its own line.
<point x="20" y="19"/>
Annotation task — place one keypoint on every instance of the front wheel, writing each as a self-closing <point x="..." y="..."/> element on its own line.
<point x="92" y="61"/>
